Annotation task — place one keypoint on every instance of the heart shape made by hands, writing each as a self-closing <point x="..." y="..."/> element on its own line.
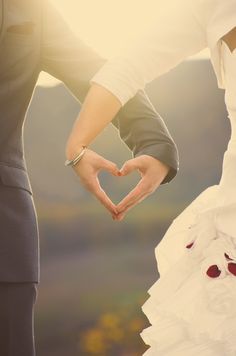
<point x="122" y="183"/>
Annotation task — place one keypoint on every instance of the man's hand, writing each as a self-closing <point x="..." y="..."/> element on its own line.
<point x="152" y="172"/>
<point x="88" y="168"/>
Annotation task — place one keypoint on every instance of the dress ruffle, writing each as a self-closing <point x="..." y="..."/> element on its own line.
<point x="192" y="307"/>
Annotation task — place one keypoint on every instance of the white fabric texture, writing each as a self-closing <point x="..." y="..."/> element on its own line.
<point x="193" y="312"/>
<point x="182" y="28"/>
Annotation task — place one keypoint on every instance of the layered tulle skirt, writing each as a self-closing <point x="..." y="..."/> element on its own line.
<point x="192" y="306"/>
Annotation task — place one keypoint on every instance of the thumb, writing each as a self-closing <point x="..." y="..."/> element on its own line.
<point x="128" y="167"/>
<point x="110" y="167"/>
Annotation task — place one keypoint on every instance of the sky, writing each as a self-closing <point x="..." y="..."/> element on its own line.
<point x="107" y="25"/>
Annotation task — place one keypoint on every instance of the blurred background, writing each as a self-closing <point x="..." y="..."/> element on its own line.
<point x="95" y="273"/>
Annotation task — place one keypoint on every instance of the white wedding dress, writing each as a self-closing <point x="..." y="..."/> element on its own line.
<point x="192" y="306"/>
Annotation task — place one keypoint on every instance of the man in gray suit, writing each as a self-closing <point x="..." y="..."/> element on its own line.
<point x="34" y="37"/>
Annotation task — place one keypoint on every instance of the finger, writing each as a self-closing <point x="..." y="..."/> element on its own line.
<point x="141" y="188"/>
<point x="117" y="216"/>
<point x="135" y="202"/>
<point x="105" y="200"/>
<point x="129" y="166"/>
<point x="120" y="216"/>
<point x="95" y="188"/>
<point x="109" y="166"/>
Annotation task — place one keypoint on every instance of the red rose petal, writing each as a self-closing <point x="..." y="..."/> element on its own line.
<point x="213" y="271"/>
<point x="227" y="257"/>
<point x="189" y="245"/>
<point x="232" y="268"/>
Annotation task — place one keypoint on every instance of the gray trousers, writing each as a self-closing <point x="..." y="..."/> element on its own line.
<point x="17" y="302"/>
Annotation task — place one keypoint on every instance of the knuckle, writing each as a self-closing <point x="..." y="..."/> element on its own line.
<point x="100" y="163"/>
<point x="125" y="166"/>
<point x="128" y="163"/>
<point x="105" y="162"/>
<point x="129" y="167"/>
<point x="109" y="165"/>
<point x="113" y="165"/>
<point x="139" y="190"/>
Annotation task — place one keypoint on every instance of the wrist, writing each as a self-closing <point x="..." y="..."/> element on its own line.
<point x="73" y="150"/>
<point x="72" y="162"/>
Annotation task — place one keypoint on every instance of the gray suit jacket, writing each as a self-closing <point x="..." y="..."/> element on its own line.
<point x="34" y="37"/>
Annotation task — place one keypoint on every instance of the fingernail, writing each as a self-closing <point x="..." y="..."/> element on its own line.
<point x="119" y="173"/>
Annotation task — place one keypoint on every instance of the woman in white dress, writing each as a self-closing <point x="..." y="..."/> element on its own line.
<point x="192" y="307"/>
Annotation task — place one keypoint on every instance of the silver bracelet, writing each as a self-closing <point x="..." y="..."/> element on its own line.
<point x="75" y="160"/>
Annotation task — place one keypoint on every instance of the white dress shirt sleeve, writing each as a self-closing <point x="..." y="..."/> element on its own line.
<point x="177" y="34"/>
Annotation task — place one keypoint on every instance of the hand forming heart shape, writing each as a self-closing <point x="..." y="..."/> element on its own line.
<point x="152" y="173"/>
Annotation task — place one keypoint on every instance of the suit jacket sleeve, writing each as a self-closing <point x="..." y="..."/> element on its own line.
<point x="68" y="58"/>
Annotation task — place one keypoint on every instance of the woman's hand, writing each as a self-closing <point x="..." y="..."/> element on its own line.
<point x="87" y="170"/>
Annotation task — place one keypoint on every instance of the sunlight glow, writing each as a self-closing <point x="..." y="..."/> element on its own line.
<point x="107" y="25"/>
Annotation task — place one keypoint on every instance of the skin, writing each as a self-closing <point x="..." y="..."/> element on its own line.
<point x="98" y="110"/>
<point x="230" y="39"/>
